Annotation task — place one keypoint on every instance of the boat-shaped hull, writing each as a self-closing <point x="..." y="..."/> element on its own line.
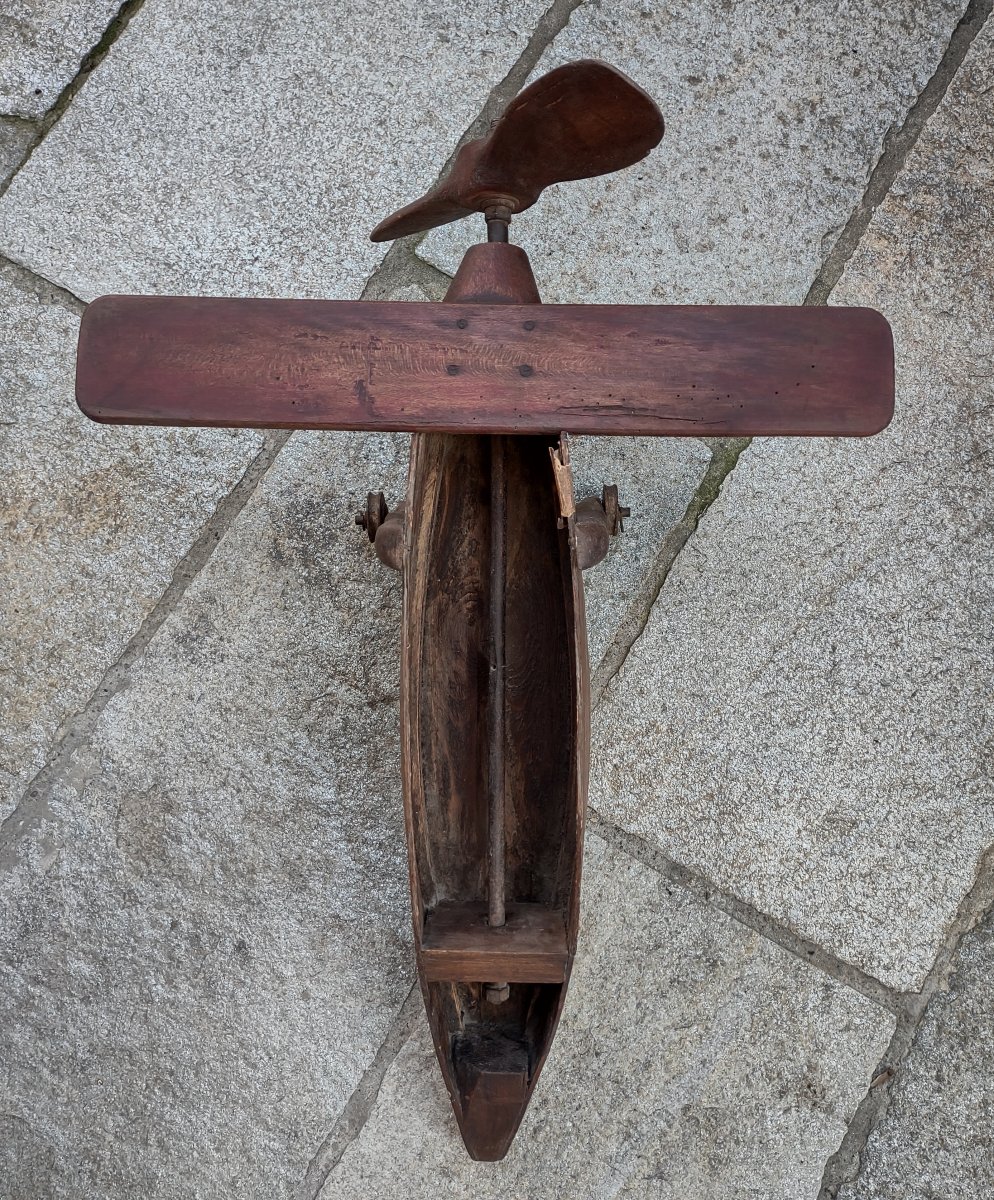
<point x="493" y="995"/>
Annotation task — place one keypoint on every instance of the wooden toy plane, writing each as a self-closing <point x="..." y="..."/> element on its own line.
<point x="490" y="539"/>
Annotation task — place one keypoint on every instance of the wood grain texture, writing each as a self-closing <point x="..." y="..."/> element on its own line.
<point x="459" y="944"/>
<point x="582" y="119"/>
<point x="444" y="723"/>
<point x="486" y="368"/>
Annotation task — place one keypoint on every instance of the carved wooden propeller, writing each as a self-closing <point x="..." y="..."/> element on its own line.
<point x="490" y="538"/>
<point x="578" y="121"/>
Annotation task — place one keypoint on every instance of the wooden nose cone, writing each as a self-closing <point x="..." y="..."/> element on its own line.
<point x="494" y="273"/>
<point x="491" y="1072"/>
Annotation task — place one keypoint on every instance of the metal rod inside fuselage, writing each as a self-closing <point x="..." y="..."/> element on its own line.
<point x="498" y="584"/>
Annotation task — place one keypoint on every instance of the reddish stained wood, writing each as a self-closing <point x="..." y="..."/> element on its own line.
<point x="459" y="944"/>
<point x="479" y="368"/>
<point x="493" y="273"/>
<point x="582" y="119"/>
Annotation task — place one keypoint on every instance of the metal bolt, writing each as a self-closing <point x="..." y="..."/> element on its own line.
<point x="497" y="993"/>
<point x="615" y="512"/>
<point x="374" y="516"/>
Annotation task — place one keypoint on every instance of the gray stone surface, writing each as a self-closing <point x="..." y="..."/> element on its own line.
<point x="655" y="477"/>
<point x="42" y="44"/>
<point x="205" y="943"/>
<point x="937" y="1138"/>
<point x="807" y="715"/>
<point x="775" y="116"/>
<point x="206" y="939"/>
<point x="249" y="149"/>
<point x="93" y="522"/>
<point x="694" y="1059"/>
<point x="15" y="138"/>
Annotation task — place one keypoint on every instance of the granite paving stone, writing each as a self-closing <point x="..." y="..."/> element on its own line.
<point x="15" y="138"/>
<point x="249" y="149"/>
<point x="42" y="45"/>
<point x="694" y="1059"/>
<point x="205" y="943"/>
<point x="206" y="937"/>
<point x="937" y="1138"/>
<point x="775" y="116"/>
<point x="93" y="522"/>
<point x="807" y="717"/>
<point x="655" y="478"/>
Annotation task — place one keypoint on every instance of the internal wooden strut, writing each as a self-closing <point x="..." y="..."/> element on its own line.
<point x="497" y="991"/>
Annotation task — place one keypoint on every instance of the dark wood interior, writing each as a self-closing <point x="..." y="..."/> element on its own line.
<point x="491" y="1052"/>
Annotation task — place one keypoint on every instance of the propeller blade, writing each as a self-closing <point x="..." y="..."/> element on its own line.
<point x="486" y="368"/>
<point x="580" y="120"/>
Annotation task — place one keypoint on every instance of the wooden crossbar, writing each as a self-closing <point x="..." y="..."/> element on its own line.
<point x="469" y="368"/>
<point x="459" y="944"/>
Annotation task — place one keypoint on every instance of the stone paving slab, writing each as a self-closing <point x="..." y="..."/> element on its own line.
<point x="207" y="940"/>
<point x="93" y="523"/>
<point x="775" y="115"/>
<point x="655" y="477"/>
<point x="807" y="715"/>
<point x="15" y="138"/>
<point x="42" y="44"/>
<point x="775" y="118"/>
<point x="937" y="1138"/>
<point x="694" y="1059"/>
<point x="250" y="149"/>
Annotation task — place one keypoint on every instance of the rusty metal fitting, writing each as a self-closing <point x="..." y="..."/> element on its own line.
<point x="376" y="512"/>
<point x="498" y="212"/>
<point x="497" y="993"/>
<point x="615" y="512"/>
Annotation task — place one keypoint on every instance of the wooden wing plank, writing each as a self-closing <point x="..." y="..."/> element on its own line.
<point x="679" y="370"/>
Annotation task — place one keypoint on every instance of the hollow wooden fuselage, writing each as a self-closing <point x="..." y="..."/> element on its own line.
<point x="491" y="1050"/>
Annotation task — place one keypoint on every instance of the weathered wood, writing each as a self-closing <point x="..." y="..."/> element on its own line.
<point x="460" y="945"/>
<point x="491" y="1054"/>
<point x="486" y="368"/>
<point x="495" y="696"/>
<point x="496" y="833"/>
<point x="445" y="724"/>
<point x="492" y="1074"/>
<point x="493" y="274"/>
<point x="582" y="119"/>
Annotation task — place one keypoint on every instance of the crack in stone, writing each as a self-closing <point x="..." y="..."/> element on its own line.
<point x="33" y="807"/>
<point x="88" y="64"/>
<point x="897" y="145"/>
<point x="552" y="22"/>
<point x="847" y="1162"/>
<point x="44" y="289"/>
<point x="399" y="266"/>
<point x="355" y="1114"/>
<point x="725" y="454"/>
<point x="699" y="886"/>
